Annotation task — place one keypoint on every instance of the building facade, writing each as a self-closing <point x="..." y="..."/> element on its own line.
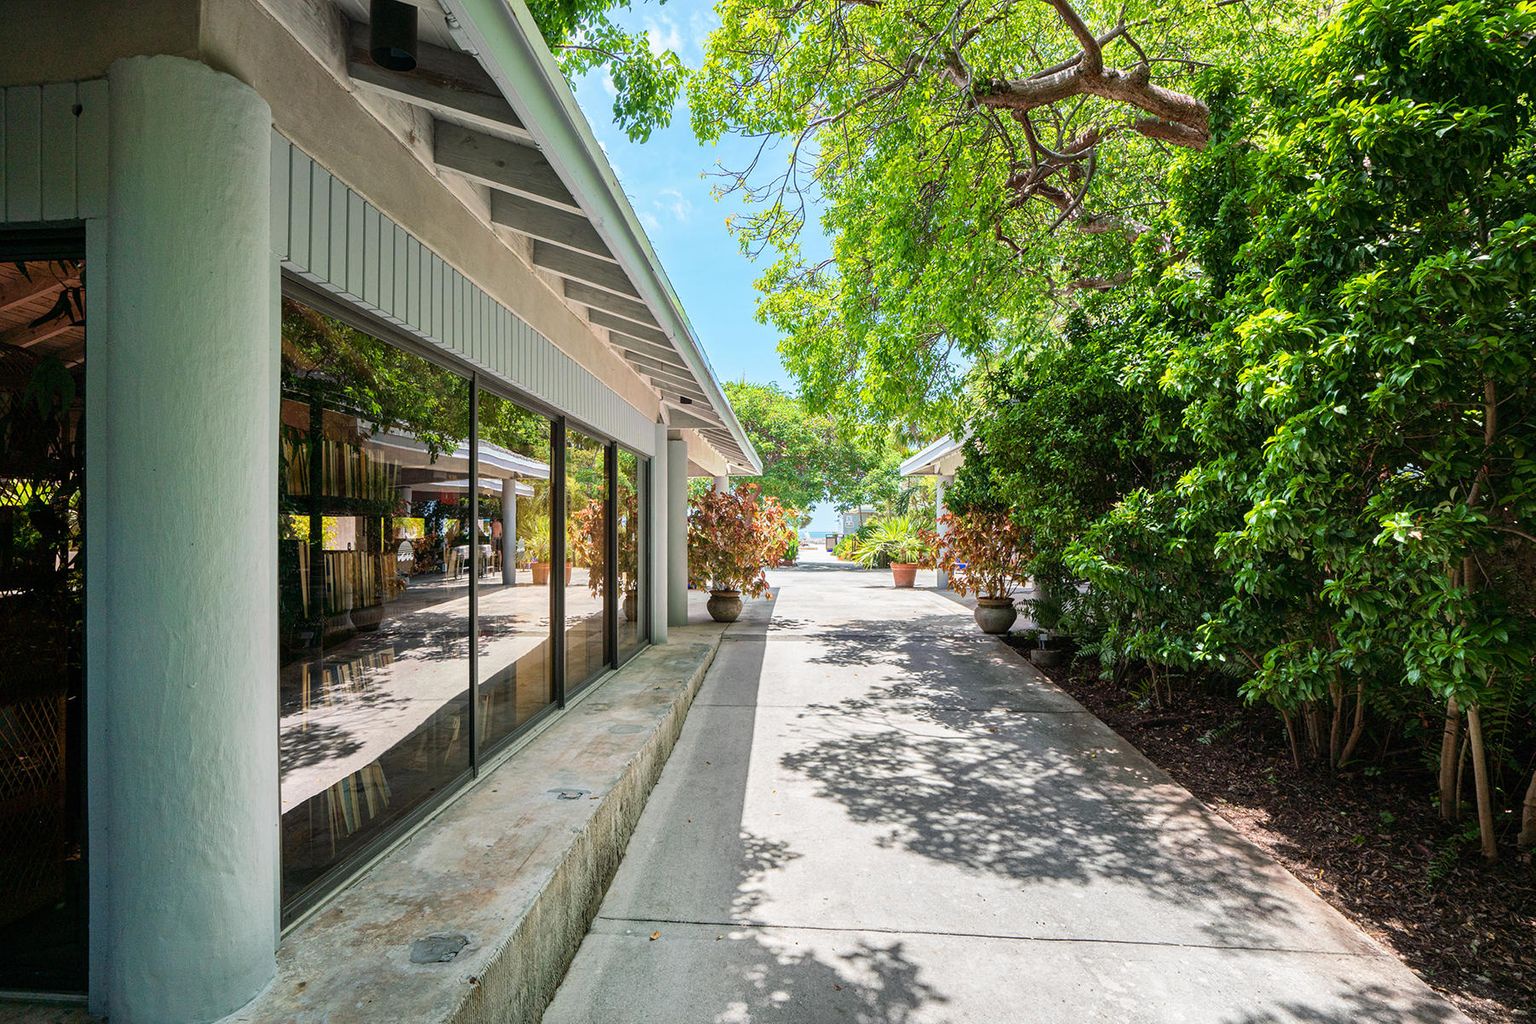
<point x="345" y="422"/>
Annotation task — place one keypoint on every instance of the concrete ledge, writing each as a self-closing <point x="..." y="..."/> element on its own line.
<point x="517" y="867"/>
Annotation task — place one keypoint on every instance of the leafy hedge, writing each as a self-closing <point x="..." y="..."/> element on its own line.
<point x="1298" y="450"/>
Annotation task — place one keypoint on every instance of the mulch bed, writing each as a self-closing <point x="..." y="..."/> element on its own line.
<point x="1369" y="842"/>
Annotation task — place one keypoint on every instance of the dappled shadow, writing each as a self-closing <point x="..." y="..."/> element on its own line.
<point x="1367" y="1004"/>
<point x="964" y="755"/>
<point x="866" y="983"/>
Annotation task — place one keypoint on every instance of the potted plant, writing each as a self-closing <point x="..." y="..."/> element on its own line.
<point x="732" y="536"/>
<point x="986" y="554"/>
<point x="898" y="542"/>
<point x="538" y="544"/>
<point x="589" y="539"/>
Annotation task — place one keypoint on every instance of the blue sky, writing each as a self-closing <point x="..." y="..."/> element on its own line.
<point x="668" y="182"/>
<point x="665" y="178"/>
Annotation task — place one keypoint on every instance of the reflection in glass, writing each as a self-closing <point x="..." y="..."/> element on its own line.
<point x="586" y="545"/>
<point x="516" y="670"/>
<point x="373" y="568"/>
<point x="42" y="606"/>
<point x="627" y="505"/>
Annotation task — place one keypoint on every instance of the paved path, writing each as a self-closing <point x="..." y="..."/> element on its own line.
<point x="877" y="815"/>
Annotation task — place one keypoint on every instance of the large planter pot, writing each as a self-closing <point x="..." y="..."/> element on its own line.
<point x="995" y="615"/>
<point x="540" y="572"/>
<point x="1049" y="657"/>
<point x="724" y="605"/>
<point x="904" y="574"/>
<point x="631" y="606"/>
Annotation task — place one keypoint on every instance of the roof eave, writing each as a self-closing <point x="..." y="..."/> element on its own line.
<point x="507" y="41"/>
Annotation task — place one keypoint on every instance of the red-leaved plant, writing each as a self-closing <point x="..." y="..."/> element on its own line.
<point x="732" y="536"/>
<point x="983" y="553"/>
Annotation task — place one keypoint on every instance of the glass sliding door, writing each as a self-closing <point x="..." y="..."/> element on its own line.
<point x="375" y="560"/>
<point x="628" y="505"/>
<point x="514" y="654"/>
<point x="586" y="545"/>
<point x="42" y="626"/>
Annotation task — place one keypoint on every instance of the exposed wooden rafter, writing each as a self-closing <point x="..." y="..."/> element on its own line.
<point x="629" y="327"/>
<point x="608" y="302"/>
<point x="446" y="82"/>
<point x="656" y="353"/>
<point x="21" y="290"/>
<point x="25" y="337"/>
<point x="587" y="269"/>
<point x="547" y="223"/>
<point x="498" y="163"/>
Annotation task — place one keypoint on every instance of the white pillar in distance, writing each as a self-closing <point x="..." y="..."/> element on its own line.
<point x="677" y="531"/>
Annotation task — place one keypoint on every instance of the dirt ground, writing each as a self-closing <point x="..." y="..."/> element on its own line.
<point x="1367" y="840"/>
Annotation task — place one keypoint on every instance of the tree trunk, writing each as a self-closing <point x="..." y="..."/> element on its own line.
<point x="1336" y="722"/>
<point x="1450" y="750"/>
<point x="1480" y="780"/>
<point x="1358" y="728"/>
<point x="1528" y="817"/>
<point x="1290" y="734"/>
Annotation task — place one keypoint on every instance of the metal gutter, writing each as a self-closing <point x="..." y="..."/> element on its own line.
<point x="503" y="36"/>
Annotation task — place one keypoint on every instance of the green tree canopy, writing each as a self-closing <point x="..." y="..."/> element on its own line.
<point x="975" y="164"/>
<point x="808" y="457"/>
<point x="585" y="36"/>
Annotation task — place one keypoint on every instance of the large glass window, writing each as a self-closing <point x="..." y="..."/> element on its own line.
<point x="42" y="626"/>
<point x="425" y="539"/>
<point x="586" y="546"/>
<point x="516" y="669"/>
<point x="374" y="569"/>
<point x="628" y="505"/>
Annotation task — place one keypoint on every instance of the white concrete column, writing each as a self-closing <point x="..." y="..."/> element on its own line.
<point x="722" y="483"/>
<point x="677" y="531"/>
<point x="509" y="530"/>
<point x="938" y="512"/>
<point x="656" y="548"/>
<point x="187" y="691"/>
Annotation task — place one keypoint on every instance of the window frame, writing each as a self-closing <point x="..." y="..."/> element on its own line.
<point x="483" y="757"/>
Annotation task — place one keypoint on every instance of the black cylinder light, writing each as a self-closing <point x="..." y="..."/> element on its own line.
<point x="392" y="34"/>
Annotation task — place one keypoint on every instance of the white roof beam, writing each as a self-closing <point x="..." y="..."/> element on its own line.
<point x="587" y="269"/>
<point x="547" y="223"/>
<point x="498" y="163"/>
<point x="610" y="303"/>
<point x="629" y="327"/>
<point x="446" y="82"/>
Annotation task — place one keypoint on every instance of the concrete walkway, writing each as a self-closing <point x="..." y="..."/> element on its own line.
<point x="877" y="815"/>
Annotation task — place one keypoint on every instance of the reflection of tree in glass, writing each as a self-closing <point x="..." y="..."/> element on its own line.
<point x="390" y="389"/>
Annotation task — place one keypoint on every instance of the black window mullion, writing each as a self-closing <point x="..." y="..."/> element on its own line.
<point x="557" y="518"/>
<point x="611" y="563"/>
<point x="474" y="572"/>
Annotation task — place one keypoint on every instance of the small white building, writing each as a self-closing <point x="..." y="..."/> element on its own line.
<point x="941" y="459"/>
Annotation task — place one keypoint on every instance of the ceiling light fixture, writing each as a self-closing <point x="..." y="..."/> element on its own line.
<point x="392" y="34"/>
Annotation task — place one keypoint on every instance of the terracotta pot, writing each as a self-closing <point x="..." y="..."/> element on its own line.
<point x="567" y="573"/>
<point x="995" y="615"/>
<point x="631" y="606"/>
<point x="540" y="573"/>
<point x="724" y="605"/>
<point x="904" y="574"/>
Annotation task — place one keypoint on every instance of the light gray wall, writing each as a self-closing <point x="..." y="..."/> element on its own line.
<point x="185" y="637"/>
<point x="53" y="161"/>
<point x="334" y="238"/>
